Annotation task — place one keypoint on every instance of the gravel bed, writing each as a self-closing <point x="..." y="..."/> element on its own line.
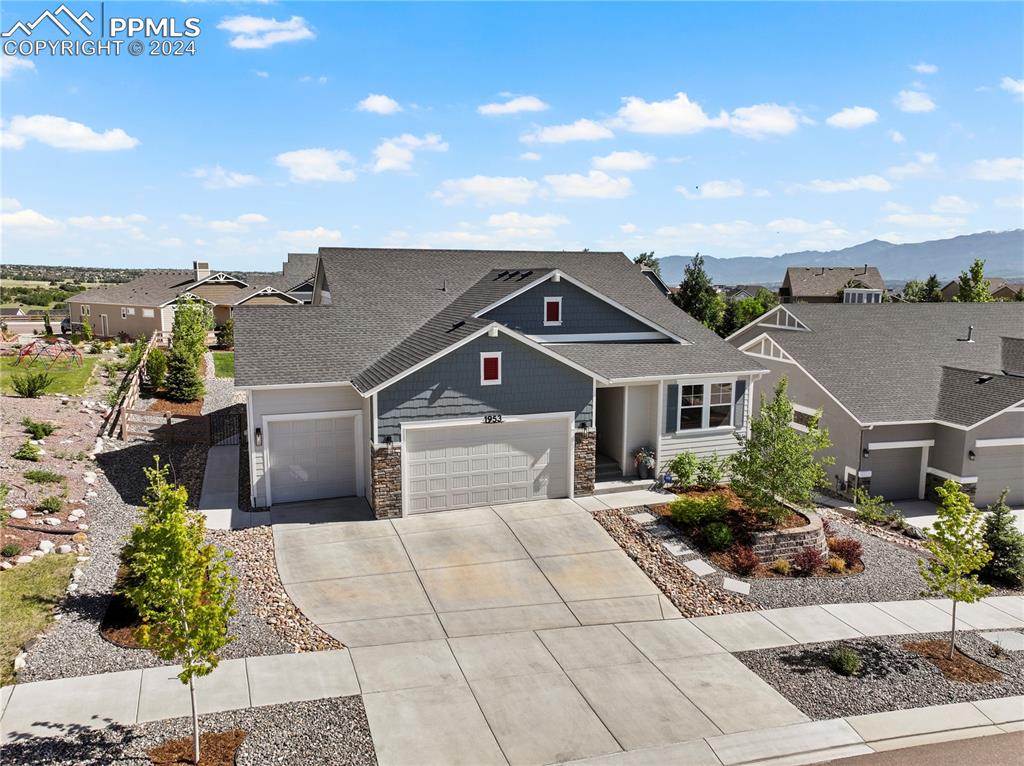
<point x="882" y="533"/>
<point x="268" y="606"/>
<point x="220" y="392"/>
<point x="890" y="574"/>
<point x="72" y="645"/>
<point x="692" y="596"/>
<point x="891" y="678"/>
<point x="333" y="731"/>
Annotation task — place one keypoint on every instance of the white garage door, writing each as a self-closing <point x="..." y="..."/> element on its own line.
<point x="999" y="468"/>
<point x="465" y="466"/>
<point x="311" y="459"/>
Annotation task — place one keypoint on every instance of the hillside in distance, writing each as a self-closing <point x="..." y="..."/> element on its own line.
<point x="1003" y="253"/>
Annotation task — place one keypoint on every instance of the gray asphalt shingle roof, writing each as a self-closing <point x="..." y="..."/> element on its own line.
<point x="889" y="362"/>
<point x="393" y="308"/>
<point x="826" y="281"/>
<point x="152" y="289"/>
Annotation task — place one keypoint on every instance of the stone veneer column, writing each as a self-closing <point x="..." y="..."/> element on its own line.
<point x="932" y="480"/>
<point x="386" y="481"/>
<point x="585" y="458"/>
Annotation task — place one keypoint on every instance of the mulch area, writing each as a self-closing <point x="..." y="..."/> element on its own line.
<point x="959" y="667"/>
<point x="157" y="403"/>
<point x="738" y="517"/>
<point x="121" y="623"/>
<point x="215" y="749"/>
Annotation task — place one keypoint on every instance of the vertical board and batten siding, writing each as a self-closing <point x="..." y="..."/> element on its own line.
<point x="291" y="401"/>
<point x="610" y="403"/>
<point x="449" y="388"/>
<point x="721" y="443"/>
<point x="582" y="312"/>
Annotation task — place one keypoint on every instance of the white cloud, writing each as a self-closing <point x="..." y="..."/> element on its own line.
<point x="487" y="190"/>
<point x="61" y="133"/>
<point x="10" y="65"/>
<point x="853" y="117"/>
<point x="398" y="153"/>
<point x="513" y="106"/>
<point x="241" y="223"/>
<point x="317" y="165"/>
<point x="29" y="222"/>
<point x="950" y="203"/>
<point x="1010" y="85"/>
<point x="530" y="156"/>
<point x="217" y="177"/>
<point x="249" y="32"/>
<point x="624" y="161"/>
<point x="896" y="207"/>
<point x="522" y="225"/>
<point x="923" y="220"/>
<point x="763" y="120"/>
<point x="923" y="68"/>
<point x="896" y="137"/>
<point x="321" y="80"/>
<point x="914" y="101"/>
<point x="378" y="103"/>
<point x="673" y="116"/>
<point x="307" y="239"/>
<point x="106" y="222"/>
<point x="581" y="130"/>
<point x="1000" y="169"/>
<point x="714" y="190"/>
<point x="9" y="205"/>
<point x="925" y="164"/>
<point x="628" y="228"/>
<point x="873" y="183"/>
<point x="712" y="233"/>
<point x="261" y="74"/>
<point x="596" y="184"/>
<point x="1016" y="201"/>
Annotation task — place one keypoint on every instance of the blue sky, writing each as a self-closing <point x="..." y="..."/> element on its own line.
<point x="732" y="129"/>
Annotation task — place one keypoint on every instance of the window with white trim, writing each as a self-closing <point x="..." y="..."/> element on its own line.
<point x="84" y="311"/>
<point x="147" y="313"/>
<point x="490" y="368"/>
<point x="131" y="311"/>
<point x="552" y="312"/>
<point x="705" y="405"/>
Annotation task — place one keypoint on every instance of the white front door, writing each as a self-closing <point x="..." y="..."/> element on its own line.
<point x="462" y="466"/>
<point x="104" y="330"/>
<point x="311" y="458"/>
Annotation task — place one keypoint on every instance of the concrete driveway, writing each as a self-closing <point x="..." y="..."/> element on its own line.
<point x="527" y="566"/>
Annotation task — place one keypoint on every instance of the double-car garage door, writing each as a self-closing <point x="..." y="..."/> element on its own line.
<point x="461" y="466"/>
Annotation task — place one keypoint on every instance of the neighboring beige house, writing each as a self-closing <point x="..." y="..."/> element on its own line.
<point x="145" y="304"/>
<point x="1000" y="288"/>
<point x="832" y="284"/>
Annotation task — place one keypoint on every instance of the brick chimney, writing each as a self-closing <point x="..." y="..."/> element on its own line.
<point x="202" y="269"/>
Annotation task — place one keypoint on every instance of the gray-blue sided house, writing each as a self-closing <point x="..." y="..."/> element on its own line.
<point x="428" y="380"/>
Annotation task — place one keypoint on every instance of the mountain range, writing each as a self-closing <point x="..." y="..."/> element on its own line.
<point x="1002" y="251"/>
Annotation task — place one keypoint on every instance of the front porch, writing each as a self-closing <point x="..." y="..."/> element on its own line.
<point x="626" y="419"/>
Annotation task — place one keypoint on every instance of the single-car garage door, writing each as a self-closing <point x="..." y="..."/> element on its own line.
<point x="469" y="465"/>
<point x="896" y="473"/>
<point x="999" y="468"/>
<point x="311" y="458"/>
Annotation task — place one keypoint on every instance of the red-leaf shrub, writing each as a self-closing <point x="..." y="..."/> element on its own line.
<point x="826" y="527"/>
<point x="744" y="559"/>
<point x="808" y="560"/>
<point x="846" y="548"/>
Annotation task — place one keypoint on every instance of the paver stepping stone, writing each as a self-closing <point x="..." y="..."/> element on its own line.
<point x="640" y="706"/>
<point x="452" y="547"/>
<point x="835" y="739"/>
<point x="676" y="548"/>
<point x="1002" y="710"/>
<point x="920" y="615"/>
<point x="435" y="725"/>
<point x="405" y="666"/>
<point x="730" y="694"/>
<point x="590" y="646"/>
<point x="1012" y="605"/>
<point x="742" y="632"/>
<point x="809" y="624"/>
<point x="699" y="567"/>
<point x="1009" y="640"/>
<point x="163" y="695"/>
<point x="281" y="678"/>
<point x="980" y="616"/>
<point x="669" y="639"/>
<point x="643" y="517"/>
<point x="736" y="586"/>
<point x="540" y="719"/>
<point x="605" y="574"/>
<point x="386" y="630"/>
<point x="562" y="535"/>
<point x="487" y="586"/>
<point x="868" y="619"/>
<point x="478" y="622"/>
<point x="502" y="655"/>
<point x="603" y="611"/>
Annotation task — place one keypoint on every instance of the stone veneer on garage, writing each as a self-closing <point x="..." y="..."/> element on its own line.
<point x="932" y="480"/>
<point x="585" y="457"/>
<point x="386" y="481"/>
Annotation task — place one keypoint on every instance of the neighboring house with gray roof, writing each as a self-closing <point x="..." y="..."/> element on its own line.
<point x="1000" y="288"/>
<point x="912" y="394"/>
<point x="139" y="307"/>
<point x="832" y="284"/>
<point x="429" y="380"/>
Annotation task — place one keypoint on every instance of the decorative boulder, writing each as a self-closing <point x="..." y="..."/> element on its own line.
<point x="19" y="513"/>
<point x="24" y="560"/>
<point x="46" y="546"/>
<point x="64" y="548"/>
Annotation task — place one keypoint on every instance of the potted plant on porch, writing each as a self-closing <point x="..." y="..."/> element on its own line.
<point x="643" y="458"/>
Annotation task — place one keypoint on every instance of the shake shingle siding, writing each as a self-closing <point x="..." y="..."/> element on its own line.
<point x="450" y="388"/>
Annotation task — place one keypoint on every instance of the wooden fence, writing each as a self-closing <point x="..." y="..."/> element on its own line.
<point x="120" y="415"/>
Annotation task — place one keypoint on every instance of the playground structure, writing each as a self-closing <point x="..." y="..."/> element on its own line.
<point x="56" y="351"/>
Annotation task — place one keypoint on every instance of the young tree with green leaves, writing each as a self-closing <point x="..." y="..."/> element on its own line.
<point x="974" y="288"/>
<point x="1006" y="542"/>
<point x="778" y="462"/>
<point x="932" y="292"/>
<point x="697" y="296"/>
<point x="957" y="545"/>
<point x="180" y="585"/>
<point x="193" y="321"/>
<point x="86" y="329"/>
<point x="648" y="261"/>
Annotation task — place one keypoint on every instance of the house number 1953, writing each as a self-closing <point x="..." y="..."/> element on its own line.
<point x="492" y="418"/>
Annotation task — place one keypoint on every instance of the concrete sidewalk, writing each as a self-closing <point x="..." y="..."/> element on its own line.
<point x="219" y="498"/>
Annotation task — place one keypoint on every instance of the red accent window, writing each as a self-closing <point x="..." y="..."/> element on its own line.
<point x="492" y="370"/>
<point x="552" y="311"/>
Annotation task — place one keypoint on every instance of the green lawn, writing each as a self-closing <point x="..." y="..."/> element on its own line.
<point x="224" y="364"/>
<point x="68" y="378"/>
<point x="28" y="595"/>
